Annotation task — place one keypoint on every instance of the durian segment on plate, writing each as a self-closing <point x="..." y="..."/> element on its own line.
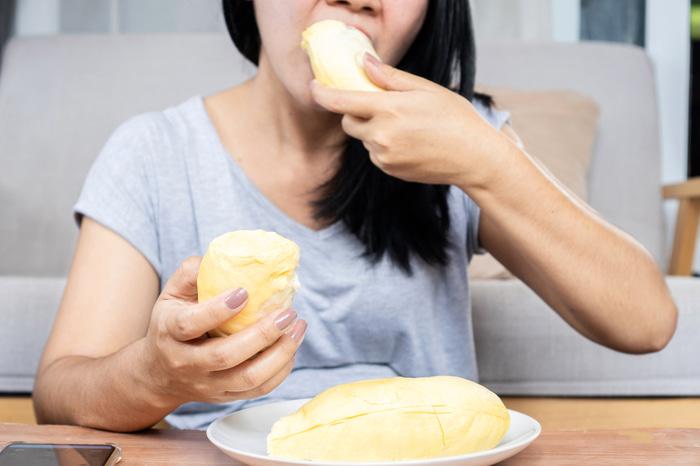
<point x="392" y="419"/>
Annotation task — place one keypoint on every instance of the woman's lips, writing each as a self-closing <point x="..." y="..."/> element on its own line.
<point x="362" y="29"/>
<point x="357" y="26"/>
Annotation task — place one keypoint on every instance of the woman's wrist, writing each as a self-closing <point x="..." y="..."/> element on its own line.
<point x="496" y="164"/>
<point x="126" y="379"/>
<point x="153" y="388"/>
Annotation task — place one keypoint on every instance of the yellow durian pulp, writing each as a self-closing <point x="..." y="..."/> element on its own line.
<point x="262" y="262"/>
<point x="336" y="53"/>
<point x="392" y="419"/>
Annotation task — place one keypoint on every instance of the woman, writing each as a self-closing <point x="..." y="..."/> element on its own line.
<point x="388" y="195"/>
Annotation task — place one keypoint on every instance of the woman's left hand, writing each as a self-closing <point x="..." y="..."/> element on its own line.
<point x="416" y="130"/>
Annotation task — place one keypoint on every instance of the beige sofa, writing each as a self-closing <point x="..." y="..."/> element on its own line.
<point x="61" y="96"/>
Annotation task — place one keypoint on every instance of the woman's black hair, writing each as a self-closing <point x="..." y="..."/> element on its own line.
<point x="386" y="214"/>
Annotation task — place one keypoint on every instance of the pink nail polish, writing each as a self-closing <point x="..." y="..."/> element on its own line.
<point x="372" y="59"/>
<point x="285" y="318"/>
<point x="236" y="298"/>
<point x="299" y="331"/>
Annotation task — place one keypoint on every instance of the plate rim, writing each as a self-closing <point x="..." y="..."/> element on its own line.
<point x="517" y="444"/>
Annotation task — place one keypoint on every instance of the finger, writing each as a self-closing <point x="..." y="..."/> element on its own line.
<point x="254" y="372"/>
<point x="223" y="353"/>
<point x="362" y="104"/>
<point x="183" y="283"/>
<point x="269" y="385"/>
<point x="355" y="127"/>
<point x="393" y="79"/>
<point x="191" y="321"/>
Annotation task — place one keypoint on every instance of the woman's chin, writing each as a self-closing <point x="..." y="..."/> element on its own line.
<point x="300" y="92"/>
<point x="307" y="102"/>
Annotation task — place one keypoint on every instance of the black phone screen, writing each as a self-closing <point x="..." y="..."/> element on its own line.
<point x="37" y="454"/>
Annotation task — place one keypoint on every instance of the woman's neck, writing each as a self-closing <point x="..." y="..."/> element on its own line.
<point x="290" y="127"/>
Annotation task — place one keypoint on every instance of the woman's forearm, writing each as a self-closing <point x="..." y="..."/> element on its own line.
<point x="610" y="286"/>
<point x="111" y="393"/>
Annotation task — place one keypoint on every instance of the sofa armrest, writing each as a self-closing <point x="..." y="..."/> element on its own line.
<point x="688" y="193"/>
<point x="689" y="189"/>
<point x="524" y="348"/>
<point x="29" y="305"/>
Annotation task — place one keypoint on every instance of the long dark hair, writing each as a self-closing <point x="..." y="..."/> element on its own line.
<point x="386" y="214"/>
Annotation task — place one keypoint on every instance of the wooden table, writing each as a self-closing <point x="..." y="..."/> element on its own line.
<point x="562" y="447"/>
<point x="638" y="431"/>
<point x="552" y="413"/>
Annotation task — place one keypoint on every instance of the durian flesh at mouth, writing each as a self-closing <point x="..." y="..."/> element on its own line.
<point x="336" y="53"/>
<point x="397" y="418"/>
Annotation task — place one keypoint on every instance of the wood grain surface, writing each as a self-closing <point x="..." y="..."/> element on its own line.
<point x="562" y="447"/>
<point x="552" y="413"/>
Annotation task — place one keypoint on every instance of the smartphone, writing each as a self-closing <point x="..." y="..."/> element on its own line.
<point x="54" y="454"/>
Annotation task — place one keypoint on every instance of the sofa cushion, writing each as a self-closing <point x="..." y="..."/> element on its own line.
<point x="29" y="306"/>
<point x="524" y="348"/>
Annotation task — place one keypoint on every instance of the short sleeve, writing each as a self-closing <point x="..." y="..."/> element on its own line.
<point x="473" y="211"/>
<point x="119" y="190"/>
<point x="496" y="117"/>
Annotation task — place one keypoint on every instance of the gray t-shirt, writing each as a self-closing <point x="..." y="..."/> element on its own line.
<point x="166" y="184"/>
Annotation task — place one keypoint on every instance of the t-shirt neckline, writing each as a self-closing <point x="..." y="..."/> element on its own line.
<point x="235" y="169"/>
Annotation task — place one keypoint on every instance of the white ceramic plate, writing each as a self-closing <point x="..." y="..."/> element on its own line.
<point x="243" y="436"/>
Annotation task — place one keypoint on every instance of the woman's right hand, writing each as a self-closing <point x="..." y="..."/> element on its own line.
<point x="185" y="365"/>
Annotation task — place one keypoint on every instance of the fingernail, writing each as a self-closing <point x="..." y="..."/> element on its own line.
<point x="285" y="319"/>
<point x="299" y="330"/>
<point x="369" y="58"/>
<point x="236" y="298"/>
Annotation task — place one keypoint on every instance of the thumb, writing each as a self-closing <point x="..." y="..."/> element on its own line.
<point x="393" y="79"/>
<point x="183" y="283"/>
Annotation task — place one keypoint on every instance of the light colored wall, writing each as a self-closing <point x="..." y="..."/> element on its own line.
<point x="566" y="20"/>
<point x="527" y="19"/>
<point x="118" y="16"/>
<point x="37" y="17"/>
<point x="170" y="15"/>
<point x="512" y="19"/>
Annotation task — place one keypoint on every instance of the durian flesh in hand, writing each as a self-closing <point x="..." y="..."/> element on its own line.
<point x="392" y="419"/>
<point x="262" y="262"/>
<point x="336" y="52"/>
